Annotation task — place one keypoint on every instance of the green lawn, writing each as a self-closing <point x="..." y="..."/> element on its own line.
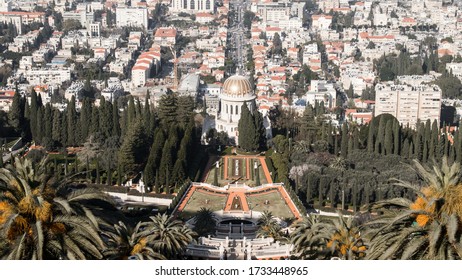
<point x="202" y="199"/>
<point x="222" y="181"/>
<point x="277" y="205"/>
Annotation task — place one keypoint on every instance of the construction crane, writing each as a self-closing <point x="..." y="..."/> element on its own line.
<point x="175" y="69"/>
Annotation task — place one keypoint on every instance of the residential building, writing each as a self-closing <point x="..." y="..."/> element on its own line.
<point x="321" y="91"/>
<point x="409" y="104"/>
<point x="132" y="16"/>
<point x="193" y="6"/>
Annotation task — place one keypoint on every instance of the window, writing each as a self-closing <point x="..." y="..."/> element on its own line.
<point x="192" y="5"/>
<point x="226" y="108"/>
<point x="231" y="109"/>
<point x="207" y="5"/>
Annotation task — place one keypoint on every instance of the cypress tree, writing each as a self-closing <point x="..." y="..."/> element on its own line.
<point x="308" y="188"/>
<point x="168" y="109"/>
<point x="56" y="128"/>
<point x="124" y="123"/>
<point x="434" y="139"/>
<point x="109" y="174"/>
<point x="418" y="143"/>
<point x="40" y="125"/>
<point x="179" y="170"/>
<point x="105" y="118"/>
<point x="33" y="114"/>
<point x="344" y="141"/>
<point x="16" y="114"/>
<point x="425" y="151"/>
<point x="97" y="171"/>
<point x="115" y="119"/>
<point x="370" y="137"/>
<point x="185" y="109"/>
<point x="411" y="149"/>
<point x="48" y="120"/>
<point x="259" y="142"/>
<point x="119" y="174"/>
<point x="94" y="120"/>
<point x="85" y="120"/>
<point x="446" y="144"/>
<point x="380" y="137"/>
<point x="405" y="151"/>
<point x="71" y="122"/>
<point x="335" y="142"/>
<point x="131" y="111"/>
<point x="355" y="138"/>
<point x="155" y="155"/>
<point x="388" y="141"/>
<point x="247" y="133"/>
<point x="396" y="138"/>
<point x="63" y="129"/>
<point x="332" y="195"/>
<point x="215" y="178"/>
<point x="322" y="185"/>
<point x="147" y="116"/>
<point x="308" y="128"/>
<point x="133" y="151"/>
<point x="165" y="164"/>
<point x="458" y="144"/>
<point x="350" y="144"/>
<point x="138" y="110"/>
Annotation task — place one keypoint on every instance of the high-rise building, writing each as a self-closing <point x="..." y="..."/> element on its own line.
<point x="189" y="6"/>
<point x="408" y="104"/>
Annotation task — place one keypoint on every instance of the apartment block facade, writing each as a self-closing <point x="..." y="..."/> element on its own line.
<point x="409" y="104"/>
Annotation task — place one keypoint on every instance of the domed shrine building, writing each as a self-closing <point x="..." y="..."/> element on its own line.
<point x="236" y="92"/>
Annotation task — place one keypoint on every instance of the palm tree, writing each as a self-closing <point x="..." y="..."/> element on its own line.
<point x="305" y="247"/>
<point x="316" y="239"/>
<point x="124" y="242"/>
<point x="428" y="227"/>
<point x="343" y="238"/>
<point x="167" y="236"/>
<point x="205" y="222"/>
<point x="42" y="219"/>
<point x="268" y="226"/>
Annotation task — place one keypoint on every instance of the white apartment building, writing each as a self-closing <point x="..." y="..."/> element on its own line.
<point x="321" y="22"/>
<point x="408" y="104"/>
<point x="321" y="91"/>
<point x="37" y="76"/>
<point x="274" y="11"/>
<point x="131" y="16"/>
<point x="18" y="18"/>
<point x="192" y="6"/>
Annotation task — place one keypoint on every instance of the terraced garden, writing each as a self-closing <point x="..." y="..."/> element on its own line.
<point x="271" y="201"/>
<point x="201" y="198"/>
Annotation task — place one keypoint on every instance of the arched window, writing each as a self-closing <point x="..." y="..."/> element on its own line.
<point x="231" y="109"/>
<point x="185" y="4"/>
<point x="193" y="4"/>
<point x="237" y="111"/>
<point x="207" y="5"/>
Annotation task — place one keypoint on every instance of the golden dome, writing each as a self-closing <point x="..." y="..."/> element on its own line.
<point x="237" y="86"/>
